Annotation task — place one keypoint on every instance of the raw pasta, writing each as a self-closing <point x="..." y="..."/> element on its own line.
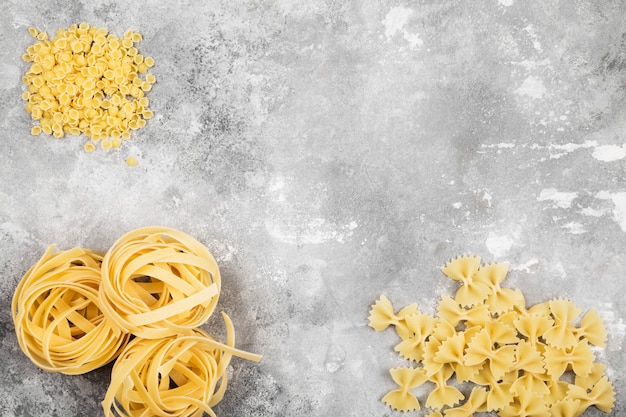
<point x="69" y="318"/>
<point x="57" y="315"/>
<point x="158" y="282"/>
<point x="180" y="376"/>
<point x="521" y="361"/>
<point x="86" y="80"/>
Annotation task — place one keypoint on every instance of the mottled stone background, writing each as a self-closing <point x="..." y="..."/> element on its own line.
<point x="327" y="152"/>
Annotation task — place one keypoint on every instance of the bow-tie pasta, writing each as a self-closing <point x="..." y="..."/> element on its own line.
<point x="519" y="361"/>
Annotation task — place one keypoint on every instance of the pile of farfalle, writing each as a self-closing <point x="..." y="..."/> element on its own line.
<point x="485" y="351"/>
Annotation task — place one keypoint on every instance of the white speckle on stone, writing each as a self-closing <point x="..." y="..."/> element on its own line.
<point x="534" y="38"/>
<point x="609" y="153"/>
<point x="487" y="198"/>
<point x="498" y="246"/>
<point x="394" y="22"/>
<point x="277" y="184"/>
<point x="531" y="87"/>
<point x="506" y="3"/>
<point x="615" y="326"/>
<point x="561" y="199"/>
<point x="619" y="212"/>
<point x="313" y="231"/>
<point x="503" y="145"/>
<point x="526" y="266"/>
<point x="591" y="212"/>
<point x="619" y="209"/>
<point x="457" y="205"/>
<point x="574" y="228"/>
<point x="15" y="231"/>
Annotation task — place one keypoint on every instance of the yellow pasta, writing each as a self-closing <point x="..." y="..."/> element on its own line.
<point x="420" y="326"/>
<point x="68" y="320"/>
<point x="525" y="404"/>
<point x="521" y="358"/>
<point x="158" y="282"/>
<point x="401" y="398"/>
<point x="475" y="403"/>
<point x="81" y="80"/>
<point x="443" y="394"/>
<point x="179" y="375"/>
<point x="131" y="161"/>
<point x="57" y="315"/>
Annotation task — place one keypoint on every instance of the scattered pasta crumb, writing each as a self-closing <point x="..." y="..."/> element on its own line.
<point x="131" y="161"/>
<point x="518" y="361"/>
<point x="86" y="80"/>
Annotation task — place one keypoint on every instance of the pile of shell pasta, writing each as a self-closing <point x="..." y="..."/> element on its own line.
<point x="87" y="80"/>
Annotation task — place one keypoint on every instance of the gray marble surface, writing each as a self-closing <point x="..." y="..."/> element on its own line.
<point x="328" y="152"/>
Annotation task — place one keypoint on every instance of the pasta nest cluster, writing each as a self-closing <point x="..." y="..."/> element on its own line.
<point x="87" y="80"/>
<point x="510" y="359"/>
<point x="139" y="304"/>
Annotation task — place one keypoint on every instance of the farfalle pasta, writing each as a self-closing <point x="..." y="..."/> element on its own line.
<point x="535" y="361"/>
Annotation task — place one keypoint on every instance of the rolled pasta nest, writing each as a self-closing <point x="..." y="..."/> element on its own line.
<point x="57" y="315"/>
<point x="158" y="282"/>
<point x="178" y="376"/>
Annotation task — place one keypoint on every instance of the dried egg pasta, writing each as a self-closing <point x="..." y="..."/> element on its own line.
<point x="158" y="282"/>
<point x="57" y="315"/>
<point x="182" y="376"/>
<point x="532" y="362"/>
<point x="76" y="310"/>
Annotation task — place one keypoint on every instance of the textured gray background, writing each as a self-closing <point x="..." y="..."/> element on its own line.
<point x="327" y="152"/>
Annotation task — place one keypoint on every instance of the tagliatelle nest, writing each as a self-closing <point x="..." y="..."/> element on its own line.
<point x="179" y="376"/>
<point x="159" y="282"/>
<point x="57" y="315"/>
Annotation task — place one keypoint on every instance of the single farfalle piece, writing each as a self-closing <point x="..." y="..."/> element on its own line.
<point x="382" y="315"/>
<point x="528" y="358"/>
<point x="561" y="334"/>
<point x="451" y="352"/>
<point x="533" y="326"/>
<point x="601" y="395"/>
<point x="525" y="404"/>
<point x="451" y="311"/>
<point x="463" y="269"/>
<point x="557" y="391"/>
<point x="499" y="299"/>
<point x="592" y="328"/>
<point x="477" y="399"/>
<point x="443" y="394"/>
<point x="481" y="348"/>
<point x="589" y="380"/>
<point x="538" y="384"/>
<point x="501" y="333"/>
<point x="566" y="407"/>
<point x="402" y="399"/>
<point x="499" y="393"/>
<point x="421" y="325"/>
<point x="579" y="358"/>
